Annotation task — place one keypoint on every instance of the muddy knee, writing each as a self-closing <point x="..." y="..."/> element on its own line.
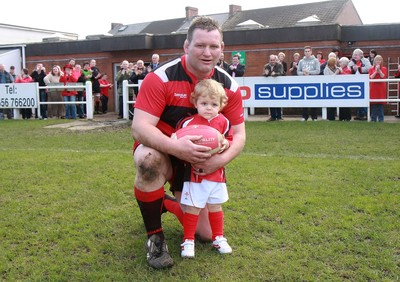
<point x="149" y="168"/>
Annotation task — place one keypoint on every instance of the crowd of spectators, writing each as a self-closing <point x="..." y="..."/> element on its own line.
<point x="334" y="65"/>
<point x="309" y="64"/>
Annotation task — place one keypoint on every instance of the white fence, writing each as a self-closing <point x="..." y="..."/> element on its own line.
<point x="326" y="91"/>
<point x="27" y="95"/>
<point x="72" y="87"/>
<point x="125" y="97"/>
<point x="257" y="92"/>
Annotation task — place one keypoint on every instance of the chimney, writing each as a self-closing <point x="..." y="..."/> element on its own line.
<point x="191" y="12"/>
<point x="233" y="9"/>
<point x="115" y="25"/>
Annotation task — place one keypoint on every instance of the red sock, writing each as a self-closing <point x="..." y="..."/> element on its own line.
<point x="150" y="204"/>
<point x="173" y="207"/>
<point x="189" y="225"/>
<point x="216" y="223"/>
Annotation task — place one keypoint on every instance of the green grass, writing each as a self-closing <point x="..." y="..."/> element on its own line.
<point x="308" y="202"/>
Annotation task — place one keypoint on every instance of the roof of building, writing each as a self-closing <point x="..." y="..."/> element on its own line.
<point x="318" y="13"/>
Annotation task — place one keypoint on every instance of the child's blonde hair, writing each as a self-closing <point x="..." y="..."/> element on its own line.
<point x="210" y="88"/>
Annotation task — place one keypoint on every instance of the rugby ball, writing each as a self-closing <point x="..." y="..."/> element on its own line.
<point x="210" y="136"/>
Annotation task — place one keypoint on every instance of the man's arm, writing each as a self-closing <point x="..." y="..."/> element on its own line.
<point x="279" y="70"/>
<point x="144" y="130"/>
<point x="220" y="160"/>
<point x="317" y="68"/>
<point x="300" y="68"/>
<point x="240" y="70"/>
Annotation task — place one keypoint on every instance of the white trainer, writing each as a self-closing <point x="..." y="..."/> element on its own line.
<point x="221" y="244"/>
<point x="187" y="249"/>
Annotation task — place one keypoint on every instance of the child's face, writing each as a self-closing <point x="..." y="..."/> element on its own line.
<point x="207" y="107"/>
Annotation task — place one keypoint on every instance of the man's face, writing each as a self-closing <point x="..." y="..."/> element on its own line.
<point x="356" y="56"/>
<point x="307" y="52"/>
<point x="235" y="60"/>
<point x="272" y="60"/>
<point x="203" y="52"/>
<point x="124" y="65"/>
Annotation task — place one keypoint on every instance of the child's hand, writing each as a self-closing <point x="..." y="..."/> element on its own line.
<point x="224" y="146"/>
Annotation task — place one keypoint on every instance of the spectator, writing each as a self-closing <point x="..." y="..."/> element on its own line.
<point x="12" y="73"/>
<point x="372" y="55"/>
<point x="221" y="62"/>
<point x="359" y="65"/>
<point x="5" y="77"/>
<point x="138" y="74"/>
<point x="80" y="78"/>
<point x="76" y="71"/>
<point x="88" y="77"/>
<point x="96" y="74"/>
<point x="155" y="62"/>
<point x="54" y="95"/>
<point x="105" y="86"/>
<point x="281" y="59"/>
<point x="309" y="65"/>
<point x="123" y="74"/>
<point x="209" y="190"/>
<point x="331" y="69"/>
<point x="336" y="51"/>
<point x="294" y="64"/>
<point x="132" y="66"/>
<point x="332" y="66"/>
<point x="69" y="95"/>
<point x="377" y="90"/>
<point x="274" y="68"/>
<point x="38" y="76"/>
<point x="344" y="113"/>
<point x="25" y="78"/>
<point x="320" y="57"/>
<point x="343" y="66"/>
<point x="323" y="66"/>
<point x="236" y="69"/>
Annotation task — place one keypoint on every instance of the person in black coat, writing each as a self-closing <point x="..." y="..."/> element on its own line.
<point x="236" y="69"/>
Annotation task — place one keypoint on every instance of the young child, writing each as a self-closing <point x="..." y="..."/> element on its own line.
<point x="200" y="190"/>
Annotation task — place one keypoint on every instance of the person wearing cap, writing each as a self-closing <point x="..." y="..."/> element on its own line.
<point x="69" y="96"/>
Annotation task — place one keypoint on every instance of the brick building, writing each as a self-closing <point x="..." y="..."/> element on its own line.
<point x="257" y="33"/>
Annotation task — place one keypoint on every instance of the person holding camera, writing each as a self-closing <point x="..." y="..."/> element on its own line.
<point x="139" y="73"/>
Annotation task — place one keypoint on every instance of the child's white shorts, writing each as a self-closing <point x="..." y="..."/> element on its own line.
<point x="207" y="192"/>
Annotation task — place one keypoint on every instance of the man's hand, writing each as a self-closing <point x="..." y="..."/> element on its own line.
<point x="190" y="152"/>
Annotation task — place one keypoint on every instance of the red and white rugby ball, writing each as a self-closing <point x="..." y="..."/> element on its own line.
<point x="210" y="136"/>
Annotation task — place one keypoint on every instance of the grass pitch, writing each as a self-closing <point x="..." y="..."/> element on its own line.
<point x="308" y="202"/>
